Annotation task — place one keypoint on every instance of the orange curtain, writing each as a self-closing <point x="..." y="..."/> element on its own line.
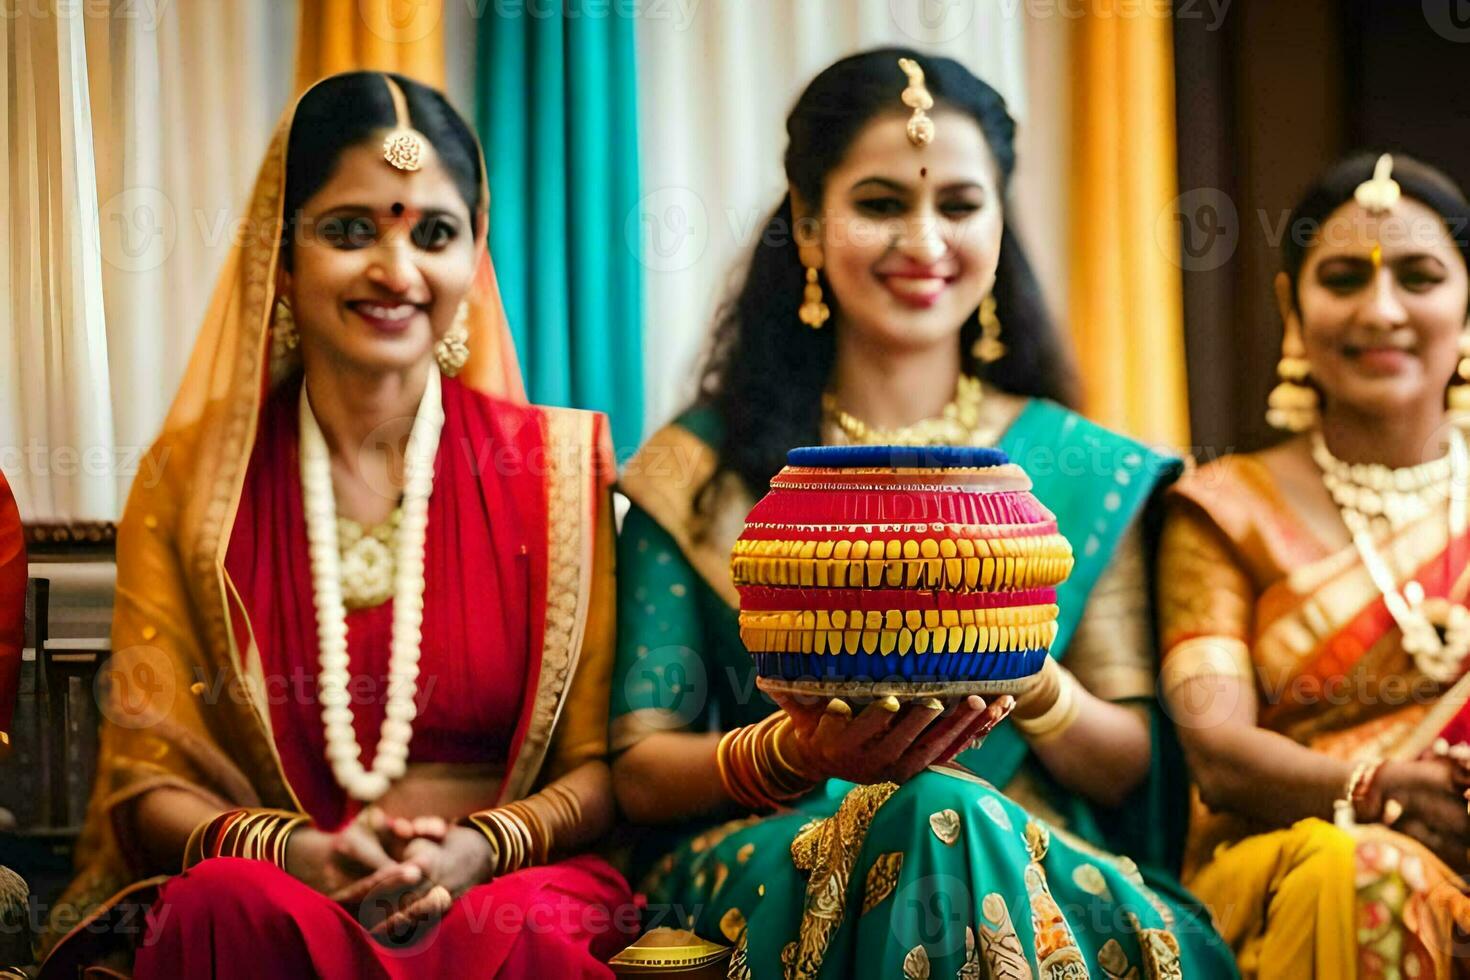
<point x="404" y="36"/>
<point x="1126" y="301"/>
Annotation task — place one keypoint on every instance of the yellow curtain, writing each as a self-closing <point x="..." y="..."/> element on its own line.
<point x="1126" y="300"/>
<point x="405" y="36"/>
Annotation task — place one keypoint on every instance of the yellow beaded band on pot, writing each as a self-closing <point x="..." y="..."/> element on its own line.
<point x="902" y="641"/>
<point x="951" y="564"/>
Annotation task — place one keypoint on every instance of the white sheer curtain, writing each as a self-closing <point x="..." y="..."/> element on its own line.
<point x="55" y="402"/>
<point x="132" y="138"/>
<point x="716" y="81"/>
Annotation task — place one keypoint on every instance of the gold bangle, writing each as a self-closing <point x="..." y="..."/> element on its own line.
<point x="793" y="781"/>
<point x="1034" y="702"/>
<point x="1057" y="718"/>
<point x="283" y="838"/>
<point x="1343" y="812"/>
<point x="476" y="821"/>
<point x="194" y="847"/>
<point x="257" y="835"/>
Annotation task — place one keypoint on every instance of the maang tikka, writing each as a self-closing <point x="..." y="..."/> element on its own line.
<point x="404" y="146"/>
<point x="916" y="96"/>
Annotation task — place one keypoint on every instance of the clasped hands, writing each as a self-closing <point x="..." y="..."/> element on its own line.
<point x="886" y="741"/>
<point x="393" y="873"/>
<point x="1428" y="799"/>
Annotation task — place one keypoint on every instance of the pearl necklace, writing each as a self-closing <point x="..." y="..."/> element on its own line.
<point x="1377" y="492"/>
<point x="953" y="427"/>
<point x="342" y="750"/>
<point x="1439" y="656"/>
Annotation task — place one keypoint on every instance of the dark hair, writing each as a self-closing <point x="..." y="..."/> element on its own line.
<point x="1336" y="187"/>
<point x="354" y="107"/>
<point x="765" y="371"/>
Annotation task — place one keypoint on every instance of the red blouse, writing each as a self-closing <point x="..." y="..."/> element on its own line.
<point x="487" y="498"/>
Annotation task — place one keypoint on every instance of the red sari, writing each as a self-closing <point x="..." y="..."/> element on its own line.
<point x="228" y="917"/>
<point x="12" y="605"/>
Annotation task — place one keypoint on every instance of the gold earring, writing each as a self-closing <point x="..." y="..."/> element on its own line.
<point x="452" y="349"/>
<point x="283" y="326"/>
<point x="1292" y="404"/>
<point x="988" y="347"/>
<point x="1458" y="398"/>
<point x="813" y="311"/>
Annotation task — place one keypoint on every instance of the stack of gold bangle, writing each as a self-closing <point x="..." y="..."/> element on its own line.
<point x="752" y="768"/>
<point x="1050" y="707"/>
<point x="510" y="837"/>
<point x="524" y="833"/>
<point x="259" y="835"/>
<point x="564" y="806"/>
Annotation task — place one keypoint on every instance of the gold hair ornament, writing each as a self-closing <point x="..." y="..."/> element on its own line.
<point x="1381" y="192"/>
<point x="916" y="96"/>
<point x="404" y="146"/>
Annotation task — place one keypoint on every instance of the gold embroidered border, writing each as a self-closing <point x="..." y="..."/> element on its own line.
<point x="569" y="541"/>
<point x="882" y="879"/>
<point x="664" y="478"/>
<point x="828" y="849"/>
<point x="226" y="449"/>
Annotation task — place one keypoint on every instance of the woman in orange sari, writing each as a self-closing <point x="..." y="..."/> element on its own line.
<point x="1313" y="605"/>
<point x="364" y="629"/>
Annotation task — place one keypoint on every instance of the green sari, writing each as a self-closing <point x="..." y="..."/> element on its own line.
<point x="946" y="875"/>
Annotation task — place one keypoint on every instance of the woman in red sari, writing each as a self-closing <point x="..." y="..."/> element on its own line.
<point x="363" y="630"/>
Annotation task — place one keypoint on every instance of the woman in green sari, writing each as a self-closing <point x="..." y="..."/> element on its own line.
<point x="893" y="245"/>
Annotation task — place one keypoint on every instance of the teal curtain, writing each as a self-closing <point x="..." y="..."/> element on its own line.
<point x="556" y="101"/>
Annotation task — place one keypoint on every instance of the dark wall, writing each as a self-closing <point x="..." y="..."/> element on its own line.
<point x="1409" y="87"/>
<point x="1266" y="100"/>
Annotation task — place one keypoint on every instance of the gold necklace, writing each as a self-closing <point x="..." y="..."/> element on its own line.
<point x="1436" y="631"/>
<point x="955" y="426"/>
<point x="365" y="557"/>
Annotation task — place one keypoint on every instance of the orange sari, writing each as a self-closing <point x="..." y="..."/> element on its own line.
<point x="1249" y="589"/>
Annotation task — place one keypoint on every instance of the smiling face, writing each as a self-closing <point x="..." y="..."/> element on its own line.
<point x="1381" y="335"/>
<point x="381" y="259"/>
<point x="911" y="236"/>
